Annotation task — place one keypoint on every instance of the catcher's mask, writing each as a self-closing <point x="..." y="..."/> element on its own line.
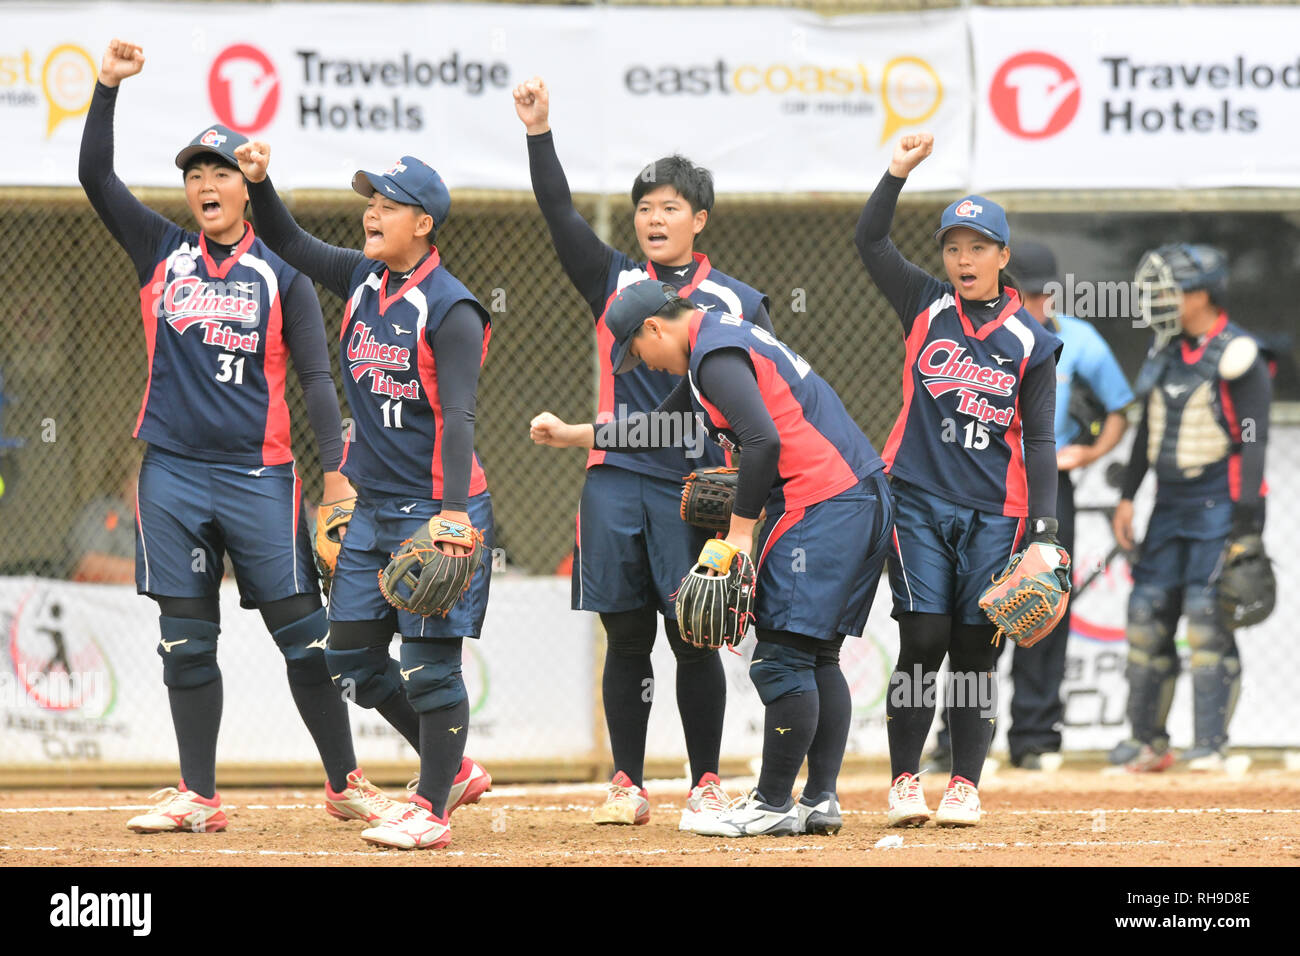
<point x="1164" y="274"/>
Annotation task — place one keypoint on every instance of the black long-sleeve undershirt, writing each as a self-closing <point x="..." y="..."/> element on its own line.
<point x="727" y="379"/>
<point x="900" y="281"/>
<point x="457" y="344"/>
<point x="140" y="230"/>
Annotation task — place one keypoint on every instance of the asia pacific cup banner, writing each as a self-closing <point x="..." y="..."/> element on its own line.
<point x="771" y="100"/>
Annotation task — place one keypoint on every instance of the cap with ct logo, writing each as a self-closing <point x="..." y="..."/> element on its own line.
<point x="216" y="139"/>
<point x="410" y="181"/>
<point x="976" y="212"/>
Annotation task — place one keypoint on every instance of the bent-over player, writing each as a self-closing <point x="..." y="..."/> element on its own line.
<point x="822" y="546"/>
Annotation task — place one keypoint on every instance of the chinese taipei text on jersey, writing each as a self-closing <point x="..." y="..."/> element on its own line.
<point x="959" y="434"/>
<point x="390" y="378"/>
<point x="216" y="352"/>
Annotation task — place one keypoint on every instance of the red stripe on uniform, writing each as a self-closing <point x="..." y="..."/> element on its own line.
<point x="1193" y="355"/>
<point x="781" y="527"/>
<point x="219" y="272"/>
<point x="150" y="294"/>
<point x="416" y="277"/>
<point x="702" y="269"/>
<point x="428" y="369"/>
<point x="276" y="447"/>
<point x="605" y="405"/>
<point x="912" y="346"/>
<point x="293" y="532"/>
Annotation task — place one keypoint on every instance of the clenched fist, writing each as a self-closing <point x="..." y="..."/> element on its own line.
<point x="121" y="60"/>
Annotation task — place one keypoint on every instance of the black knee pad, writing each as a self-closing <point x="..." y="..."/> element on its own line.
<point x="367" y="676"/>
<point x="431" y="674"/>
<point x="630" y="633"/>
<point x="280" y="614"/>
<point x="303" y="645"/>
<point x="778" y="671"/>
<point x="188" y="649"/>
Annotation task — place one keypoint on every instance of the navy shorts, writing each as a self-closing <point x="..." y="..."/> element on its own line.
<point x="945" y="554"/>
<point x="632" y="547"/>
<point x="191" y="513"/>
<point x="1183" y="544"/>
<point x="818" y="566"/>
<point x="379" y="525"/>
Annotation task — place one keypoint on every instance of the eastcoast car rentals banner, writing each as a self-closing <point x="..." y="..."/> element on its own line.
<point x="1083" y="98"/>
<point x="772" y="100"/>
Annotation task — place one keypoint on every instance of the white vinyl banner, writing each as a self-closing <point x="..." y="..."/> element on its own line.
<point x="771" y="100"/>
<point x="1118" y="98"/>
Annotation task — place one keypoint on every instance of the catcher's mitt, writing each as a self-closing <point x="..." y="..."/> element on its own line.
<point x="713" y="610"/>
<point x="708" y="497"/>
<point x="1247" y="588"/>
<point x="326" y="543"/>
<point x="423" y="578"/>
<point x="1030" y="596"/>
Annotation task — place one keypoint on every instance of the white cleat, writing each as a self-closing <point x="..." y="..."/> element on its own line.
<point x="748" y="816"/>
<point x="907" y="807"/>
<point x="362" y="800"/>
<point x="180" y="811"/>
<point x="960" y="806"/>
<point x="416" y="829"/>
<point x="707" y="799"/>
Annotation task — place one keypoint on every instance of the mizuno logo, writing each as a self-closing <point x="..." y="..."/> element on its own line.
<point x="452" y="530"/>
<point x="320" y="642"/>
<point x="406" y="509"/>
<point x="1000" y="359"/>
<point x="704" y="308"/>
<point x="782" y="730"/>
<point x="257" y="473"/>
<point x="398" y="330"/>
<point x="1175" y="390"/>
<point x="455" y="730"/>
<point x="335" y="676"/>
<point x="168" y="645"/>
<point x="406" y="674"/>
<point x="390" y="189"/>
<point x="682" y="271"/>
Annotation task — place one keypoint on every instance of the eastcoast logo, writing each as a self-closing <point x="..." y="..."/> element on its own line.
<point x="1034" y="95"/>
<point x="244" y="88"/>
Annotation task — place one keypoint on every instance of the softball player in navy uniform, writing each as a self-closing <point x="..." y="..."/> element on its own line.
<point x="1206" y="392"/>
<point x="628" y="562"/>
<point x="412" y="342"/>
<point x="971" y="456"/>
<point x="222" y="314"/>
<point x="822" y="547"/>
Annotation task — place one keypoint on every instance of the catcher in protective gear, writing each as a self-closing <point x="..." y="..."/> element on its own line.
<point x="424" y="577"/>
<point x="331" y="523"/>
<point x="1029" y="597"/>
<point x="708" y="497"/>
<point x="716" y="600"/>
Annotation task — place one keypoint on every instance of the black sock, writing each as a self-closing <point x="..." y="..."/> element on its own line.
<point x="326" y="716"/>
<point x="628" y="688"/>
<point x="909" y="706"/>
<point x="196" y="715"/>
<point x="789" y="724"/>
<point x="397" y="710"/>
<point x="442" y="745"/>
<point x="701" y="702"/>
<point x="835" y="712"/>
<point x="973" y="700"/>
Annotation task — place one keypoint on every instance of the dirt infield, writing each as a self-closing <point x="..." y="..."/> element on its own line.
<point x="1073" y="817"/>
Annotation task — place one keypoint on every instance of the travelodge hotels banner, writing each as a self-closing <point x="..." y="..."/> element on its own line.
<point x="772" y="100"/>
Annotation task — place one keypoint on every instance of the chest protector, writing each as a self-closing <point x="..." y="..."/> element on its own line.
<point x="1187" y="428"/>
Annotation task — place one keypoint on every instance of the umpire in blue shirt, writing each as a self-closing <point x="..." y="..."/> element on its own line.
<point x="1091" y="393"/>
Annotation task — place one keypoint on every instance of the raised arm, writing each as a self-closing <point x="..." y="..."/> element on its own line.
<point x="902" y="282"/>
<point x="331" y="266"/>
<point x="136" y="227"/>
<point x="585" y="259"/>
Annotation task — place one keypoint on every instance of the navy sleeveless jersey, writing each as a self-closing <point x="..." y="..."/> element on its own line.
<point x="823" y="451"/>
<point x="216" y="352"/>
<point x="641" y="390"/>
<point x="390" y="379"/>
<point x="959" y="432"/>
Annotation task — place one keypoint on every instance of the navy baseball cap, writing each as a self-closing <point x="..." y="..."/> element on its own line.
<point x="976" y="212"/>
<point x="216" y="139"/>
<point x="1034" y="267"/>
<point x="411" y="181"/>
<point x="633" y="305"/>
